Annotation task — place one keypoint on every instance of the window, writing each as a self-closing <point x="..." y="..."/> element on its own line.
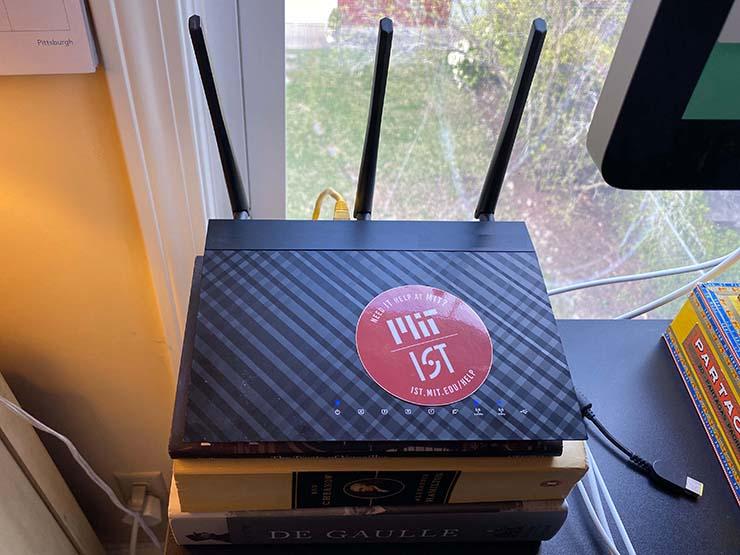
<point x="452" y="67"/>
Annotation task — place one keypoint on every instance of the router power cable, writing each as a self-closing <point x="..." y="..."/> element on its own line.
<point x="136" y="504"/>
<point x="84" y="465"/>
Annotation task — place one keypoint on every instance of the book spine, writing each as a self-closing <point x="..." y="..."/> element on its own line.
<point x="725" y="331"/>
<point x="297" y="490"/>
<point x="240" y="528"/>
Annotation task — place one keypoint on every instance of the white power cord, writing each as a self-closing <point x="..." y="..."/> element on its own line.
<point x="84" y="465"/>
<point x="593" y="491"/>
<point x="610" y="503"/>
<point x="134" y="537"/>
<point x="136" y="503"/>
<point x="599" y="517"/>
<point x="603" y="532"/>
<point x="636" y="277"/>
<point x="728" y="261"/>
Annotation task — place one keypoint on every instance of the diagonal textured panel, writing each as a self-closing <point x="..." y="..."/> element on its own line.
<point x="275" y="349"/>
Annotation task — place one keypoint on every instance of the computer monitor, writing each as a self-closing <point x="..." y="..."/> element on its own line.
<point x="669" y="113"/>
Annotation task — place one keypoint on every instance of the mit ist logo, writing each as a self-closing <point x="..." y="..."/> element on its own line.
<point x="426" y="360"/>
<point x="421" y="325"/>
<point x="424" y="345"/>
<point x="407" y="324"/>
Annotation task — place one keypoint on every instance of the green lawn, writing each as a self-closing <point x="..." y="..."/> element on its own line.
<point x="432" y="154"/>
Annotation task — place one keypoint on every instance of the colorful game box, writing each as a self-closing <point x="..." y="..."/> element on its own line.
<point x="704" y="340"/>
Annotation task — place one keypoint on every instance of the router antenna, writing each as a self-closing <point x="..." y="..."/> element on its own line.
<point x="234" y="185"/>
<point x="497" y="170"/>
<point x="366" y="177"/>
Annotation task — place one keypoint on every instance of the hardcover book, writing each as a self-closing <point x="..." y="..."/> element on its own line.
<point x="484" y="522"/>
<point x="206" y="485"/>
<point x="704" y="340"/>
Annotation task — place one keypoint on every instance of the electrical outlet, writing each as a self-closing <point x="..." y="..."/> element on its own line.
<point x="154" y="482"/>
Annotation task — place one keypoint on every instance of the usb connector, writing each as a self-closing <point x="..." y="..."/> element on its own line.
<point x="662" y="474"/>
<point x="668" y="477"/>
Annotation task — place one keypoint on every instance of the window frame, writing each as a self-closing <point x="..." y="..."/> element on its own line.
<point x="165" y="131"/>
<point x="246" y="42"/>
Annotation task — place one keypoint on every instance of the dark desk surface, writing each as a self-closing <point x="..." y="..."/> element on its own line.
<point x="625" y="370"/>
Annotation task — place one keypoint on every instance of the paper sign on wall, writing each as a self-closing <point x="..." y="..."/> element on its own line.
<point x="45" y="36"/>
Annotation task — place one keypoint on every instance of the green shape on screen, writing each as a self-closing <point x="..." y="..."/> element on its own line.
<point x="717" y="93"/>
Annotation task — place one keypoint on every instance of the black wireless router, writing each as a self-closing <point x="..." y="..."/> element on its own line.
<point x="338" y="338"/>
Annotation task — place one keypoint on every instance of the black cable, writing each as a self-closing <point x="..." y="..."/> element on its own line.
<point x="661" y="473"/>
<point x="606" y="433"/>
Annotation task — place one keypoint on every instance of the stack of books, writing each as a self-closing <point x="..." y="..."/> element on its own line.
<point x="318" y="407"/>
<point x="372" y="499"/>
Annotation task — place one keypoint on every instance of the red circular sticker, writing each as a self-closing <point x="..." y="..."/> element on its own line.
<point x="424" y="345"/>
